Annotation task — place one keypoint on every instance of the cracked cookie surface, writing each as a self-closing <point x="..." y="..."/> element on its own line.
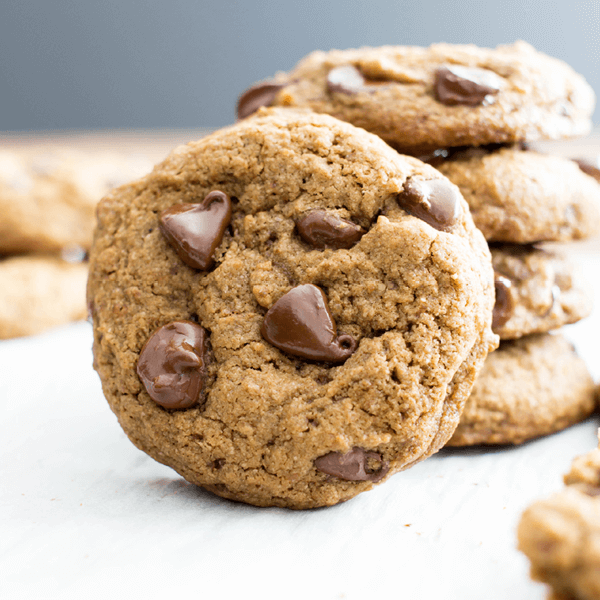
<point x="445" y="95"/>
<point x="529" y="387"/>
<point x="285" y="417"/>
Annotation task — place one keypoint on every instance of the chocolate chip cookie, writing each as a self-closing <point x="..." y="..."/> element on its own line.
<point x="560" y="535"/>
<point x="288" y="311"/>
<point x="40" y="292"/>
<point x="48" y="199"/>
<point x="527" y="388"/>
<point x="445" y="95"/>
<point x="537" y="290"/>
<point x="522" y="196"/>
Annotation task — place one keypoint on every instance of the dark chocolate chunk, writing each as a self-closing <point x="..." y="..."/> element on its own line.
<point x="345" y="80"/>
<point x="354" y="465"/>
<point x="195" y="230"/>
<point x="589" y="168"/>
<point x="172" y="364"/>
<point x="469" y="86"/>
<point x="261" y="94"/>
<point x="324" y="230"/>
<point x="504" y="306"/>
<point x="435" y="201"/>
<point x="300" y="324"/>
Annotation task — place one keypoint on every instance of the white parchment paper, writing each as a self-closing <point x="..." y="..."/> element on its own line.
<point x="85" y="515"/>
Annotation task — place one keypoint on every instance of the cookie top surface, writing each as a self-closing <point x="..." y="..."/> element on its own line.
<point x="336" y="336"/>
<point x="559" y="534"/>
<point x="527" y="388"/>
<point x="523" y="197"/>
<point x="445" y="95"/>
<point x="48" y="198"/>
<point x="537" y="290"/>
<point x="39" y="292"/>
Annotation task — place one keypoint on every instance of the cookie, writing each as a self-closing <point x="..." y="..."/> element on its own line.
<point x="288" y="311"/>
<point x="437" y="97"/>
<point x="560" y="534"/>
<point x="48" y="199"/>
<point x="523" y="197"/>
<point x="537" y="290"/>
<point x="529" y="387"/>
<point x="38" y="293"/>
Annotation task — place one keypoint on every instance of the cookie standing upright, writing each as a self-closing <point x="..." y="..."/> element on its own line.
<point x="445" y="95"/>
<point x="322" y="333"/>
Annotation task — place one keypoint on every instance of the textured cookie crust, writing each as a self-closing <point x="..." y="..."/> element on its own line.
<point x="537" y="290"/>
<point x="417" y="300"/>
<point x="48" y="199"/>
<point x="539" y="97"/>
<point x="561" y="535"/>
<point x="524" y="197"/>
<point x="39" y="292"/>
<point x="527" y="388"/>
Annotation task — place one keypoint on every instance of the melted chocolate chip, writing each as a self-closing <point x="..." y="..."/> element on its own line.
<point x="354" y="465"/>
<point x="195" y="230"/>
<point x="324" y="230"/>
<point x="345" y="80"/>
<point x="172" y="364"/>
<point x="261" y="94"/>
<point x="300" y="324"/>
<point x="468" y="86"/>
<point x="435" y="201"/>
<point x="589" y="168"/>
<point x="504" y="305"/>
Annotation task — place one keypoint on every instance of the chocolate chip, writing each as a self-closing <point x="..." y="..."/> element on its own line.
<point x="592" y="490"/>
<point x="589" y="168"/>
<point x="469" y="86"/>
<point x="354" y="465"/>
<point x="324" y="230"/>
<point x="261" y="94"/>
<point x="504" y="305"/>
<point x="300" y="324"/>
<point x="435" y="201"/>
<point x="345" y="80"/>
<point x="195" y="230"/>
<point x="172" y="364"/>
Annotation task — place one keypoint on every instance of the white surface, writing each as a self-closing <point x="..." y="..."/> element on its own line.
<point x="84" y="514"/>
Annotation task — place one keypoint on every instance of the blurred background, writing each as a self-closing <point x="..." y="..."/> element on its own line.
<point x="77" y="64"/>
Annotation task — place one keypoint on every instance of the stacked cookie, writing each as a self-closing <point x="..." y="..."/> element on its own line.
<point x="471" y="112"/>
<point x="289" y="311"/>
<point x="47" y="203"/>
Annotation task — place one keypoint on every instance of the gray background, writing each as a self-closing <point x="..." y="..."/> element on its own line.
<point x="179" y="63"/>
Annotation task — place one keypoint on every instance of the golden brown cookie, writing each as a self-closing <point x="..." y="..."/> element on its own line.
<point x="561" y="535"/>
<point x="288" y="311"/>
<point x="527" y="388"/>
<point x="537" y="290"/>
<point x="522" y="196"/>
<point x="38" y="293"/>
<point x="48" y="199"/>
<point x="445" y="95"/>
